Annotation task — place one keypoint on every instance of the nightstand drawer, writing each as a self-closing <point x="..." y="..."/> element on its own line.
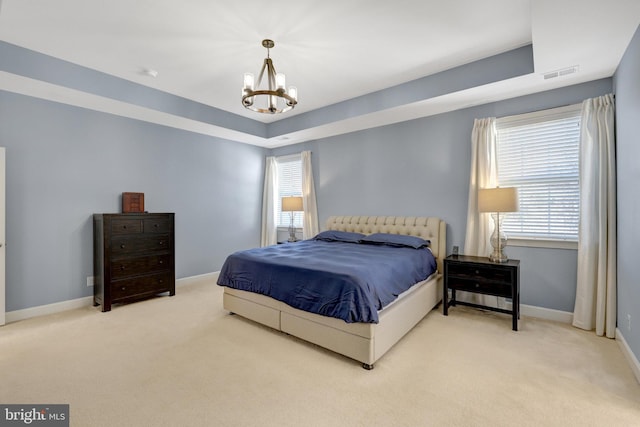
<point x="480" y="286"/>
<point x="475" y="271"/>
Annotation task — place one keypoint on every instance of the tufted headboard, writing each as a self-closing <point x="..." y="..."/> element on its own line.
<point x="429" y="228"/>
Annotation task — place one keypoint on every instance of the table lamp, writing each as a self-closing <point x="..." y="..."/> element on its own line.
<point x="498" y="200"/>
<point x="291" y="205"/>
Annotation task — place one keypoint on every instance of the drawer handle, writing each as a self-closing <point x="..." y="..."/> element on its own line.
<point x="122" y="246"/>
<point x="477" y="285"/>
<point x="122" y="267"/>
<point x="124" y="288"/>
<point x="124" y="226"/>
<point x="160" y="281"/>
<point x="156" y="225"/>
<point x="477" y="271"/>
<point x="161" y="242"/>
<point x="161" y="262"/>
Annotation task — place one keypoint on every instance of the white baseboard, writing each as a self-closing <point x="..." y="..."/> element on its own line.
<point x="42" y="310"/>
<point x="546" y="313"/>
<point x="192" y="280"/>
<point x="14" y="316"/>
<point x="525" y="310"/>
<point x="631" y="358"/>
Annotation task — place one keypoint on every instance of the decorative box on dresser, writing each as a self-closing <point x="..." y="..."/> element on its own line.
<point x="480" y="275"/>
<point x="133" y="257"/>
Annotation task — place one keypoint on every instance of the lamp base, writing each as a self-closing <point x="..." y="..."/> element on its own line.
<point x="498" y="240"/>
<point x="292" y="230"/>
<point x="498" y="256"/>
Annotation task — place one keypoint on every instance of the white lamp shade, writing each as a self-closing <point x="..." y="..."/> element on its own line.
<point x="292" y="204"/>
<point x="498" y="199"/>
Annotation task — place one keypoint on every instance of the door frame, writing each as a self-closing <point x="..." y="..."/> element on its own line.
<point x="2" y="235"/>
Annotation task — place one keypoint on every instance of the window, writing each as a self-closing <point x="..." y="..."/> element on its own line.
<point x="289" y="184"/>
<point x="539" y="154"/>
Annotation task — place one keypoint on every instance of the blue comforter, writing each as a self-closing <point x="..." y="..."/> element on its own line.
<point x="349" y="281"/>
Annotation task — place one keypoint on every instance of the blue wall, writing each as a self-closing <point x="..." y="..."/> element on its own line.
<point x="627" y="89"/>
<point x="65" y="163"/>
<point x="421" y="167"/>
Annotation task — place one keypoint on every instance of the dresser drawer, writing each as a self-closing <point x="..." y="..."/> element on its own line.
<point x="126" y="226"/>
<point x="157" y="225"/>
<point x="140" y="286"/>
<point x="127" y="267"/>
<point x="480" y="286"/>
<point x="131" y="245"/>
<point x="476" y="271"/>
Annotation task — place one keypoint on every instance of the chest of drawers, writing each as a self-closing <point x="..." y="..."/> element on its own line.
<point x="480" y="275"/>
<point x="133" y="257"/>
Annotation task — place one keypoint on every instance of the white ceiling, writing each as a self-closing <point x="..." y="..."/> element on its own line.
<point x="331" y="50"/>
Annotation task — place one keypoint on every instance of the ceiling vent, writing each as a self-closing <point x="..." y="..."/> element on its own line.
<point x="559" y="73"/>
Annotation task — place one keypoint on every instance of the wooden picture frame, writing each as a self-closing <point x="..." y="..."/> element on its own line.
<point x="132" y="202"/>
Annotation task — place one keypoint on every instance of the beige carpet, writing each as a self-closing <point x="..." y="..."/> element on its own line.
<point x="183" y="361"/>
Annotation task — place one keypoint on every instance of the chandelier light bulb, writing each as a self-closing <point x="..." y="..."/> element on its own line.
<point x="248" y="81"/>
<point x="293" y="92"/>
<point x="280" y="81"/>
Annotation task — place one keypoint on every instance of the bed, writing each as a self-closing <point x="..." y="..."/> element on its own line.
<point x="362" y="340"/>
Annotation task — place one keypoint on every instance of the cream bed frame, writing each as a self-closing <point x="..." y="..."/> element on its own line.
<point x="365" y="342"/>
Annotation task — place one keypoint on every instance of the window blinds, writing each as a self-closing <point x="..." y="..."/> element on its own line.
<point x="539" y="154"/>
<point x="289" y="184"/>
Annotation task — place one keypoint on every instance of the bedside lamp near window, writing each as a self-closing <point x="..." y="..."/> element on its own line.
<point x="291" y="205"/>
<point x="498" y="200"/>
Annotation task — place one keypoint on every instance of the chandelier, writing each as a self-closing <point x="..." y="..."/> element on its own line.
<point x="274" y="99"/>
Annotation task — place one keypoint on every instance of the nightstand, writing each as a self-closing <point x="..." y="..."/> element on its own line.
<point x="479" y="275"/>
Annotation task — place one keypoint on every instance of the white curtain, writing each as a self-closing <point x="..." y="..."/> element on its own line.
<point x="595" y="306"/>
<point x="484" y="174"/>
<point x="269" y="235"/>
<point x="310" y="214"/>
